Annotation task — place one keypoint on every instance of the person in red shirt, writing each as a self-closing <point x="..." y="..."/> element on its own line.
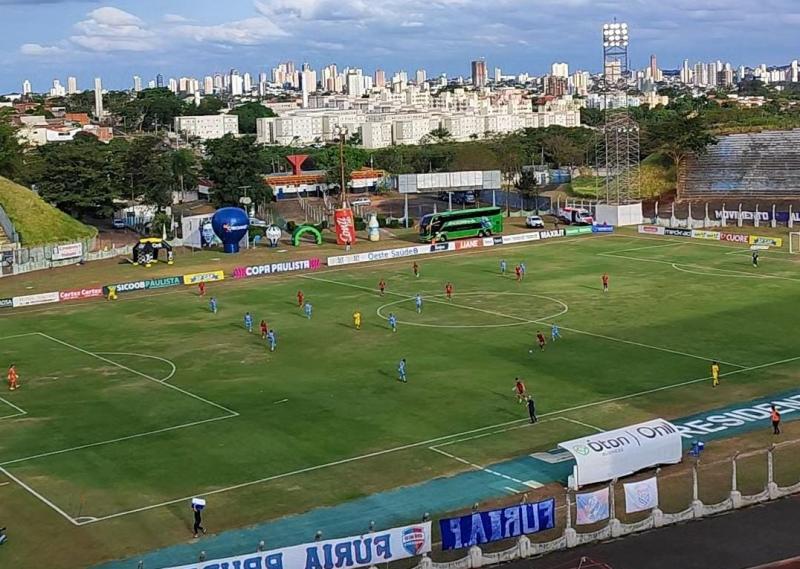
<point x="518" y="272"/>
<point x="300" y="298"/>
<point x="605" y="282"/>
<point x="415" y="267"/>
<point x="448" y="290"/>
<point x="540" y="339"/>
<point x="382" y="287"/>
<point x="202" y="288"/>
<point x="519" y="389"/>
<point x="264" y="329"/>
<point x="13" y="378"/>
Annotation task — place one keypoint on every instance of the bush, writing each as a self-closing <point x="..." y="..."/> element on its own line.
<point x="393" y="224"/>
<point x="290" y="226"/>
<point x="256" y="231"/>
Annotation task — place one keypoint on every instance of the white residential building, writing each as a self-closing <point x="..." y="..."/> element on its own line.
<point x="57" y="90"/>
<point x="206" y="127"/>
<point x="376" y="134"/>
<point x="137" y="83"/>
<point x="72" y="85"/>
<point x="98" y="98"/>
<point x="26" y="87"/>
<point x="560" y="70"/>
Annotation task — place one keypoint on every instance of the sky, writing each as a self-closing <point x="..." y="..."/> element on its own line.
<point x="41" y="40"/>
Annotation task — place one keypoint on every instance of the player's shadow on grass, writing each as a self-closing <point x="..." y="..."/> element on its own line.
<point x="385" y="373"/>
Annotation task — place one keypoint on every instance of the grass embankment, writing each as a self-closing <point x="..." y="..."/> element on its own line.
<point x="35" y="220"/>
<point x="657" y="176"/>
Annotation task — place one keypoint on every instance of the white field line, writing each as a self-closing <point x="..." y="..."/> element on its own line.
<point x="582" y="424"/>
<point x="693" y="242"/>
<point x="672" y="263"/>
<point x="670" y="244"/>
<point x="39" y="497"/>
<point x="709" y="273"/>
<point x="144" y="375"/>
<point x="477" y="466"/>
<point x="765" y="255"/>
<point x="538" y="321"/>
<point x="166" y="361"/>
<point x="429" y="442"/>
<point x="19" y="413"/>
<point x="4" y="483"/>
<point x="289" y="276"/>
<point x="19" y="336"/>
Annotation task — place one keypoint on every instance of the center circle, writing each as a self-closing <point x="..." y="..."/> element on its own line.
<point x="519" y="322"/>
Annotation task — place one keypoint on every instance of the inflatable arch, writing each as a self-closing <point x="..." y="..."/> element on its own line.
<point x="302" y="230"/>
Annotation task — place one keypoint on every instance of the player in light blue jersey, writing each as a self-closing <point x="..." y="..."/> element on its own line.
<point x="522" y="269"/>
<point x="248" y="322"/>
<point x="401" y="371"/>
<point x="307" y="309"/>
<point x="503" y="266"/>
<point x="212" y="304"/>
<point x="418" y="302"/>
<point x="555" y="333"/>
<point x="272" y="340"/>
<point x="393" y="321"/>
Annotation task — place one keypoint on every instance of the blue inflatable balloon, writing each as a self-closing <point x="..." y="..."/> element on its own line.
<point x="230" y="225"/>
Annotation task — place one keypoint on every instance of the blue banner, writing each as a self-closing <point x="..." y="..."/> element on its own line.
<point x="495" y="525"/>
<point x="602" y="229"/>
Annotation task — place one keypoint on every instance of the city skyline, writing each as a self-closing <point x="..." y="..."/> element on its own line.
<point x="117" y="41"/>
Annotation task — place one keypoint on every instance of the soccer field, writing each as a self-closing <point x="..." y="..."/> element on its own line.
<point x="128" y="409"/>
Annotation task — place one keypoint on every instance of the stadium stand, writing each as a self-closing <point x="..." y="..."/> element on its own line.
<point x="756" y="165"/>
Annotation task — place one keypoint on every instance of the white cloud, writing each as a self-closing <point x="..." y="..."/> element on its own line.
<point x="109" y="29"/>
<point x="251" y="31"/>
<point x="175" y="18"/>
<point x="38" y="50"/>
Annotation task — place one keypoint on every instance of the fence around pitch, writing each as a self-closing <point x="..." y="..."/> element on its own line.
<point x="686" y="492"/>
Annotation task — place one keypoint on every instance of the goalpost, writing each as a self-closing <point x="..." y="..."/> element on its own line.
<point x="794" y="242"/>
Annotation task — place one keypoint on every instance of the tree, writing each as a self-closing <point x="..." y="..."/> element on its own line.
<point x="248" y="113"/>
<point x="10" y="149"/>
<point x="437" y="136"/>
<point x="209" y="105"/>
<point x="328" y="159"/>
<point x="184" y="168"/>
<point x="235" y="166"/>
<point x="148" y="168"/>
<point x="562" y="150"/>
<point x="79" y="177"/>
<point x="679" y="136"/>
<point x="152" y="109"/>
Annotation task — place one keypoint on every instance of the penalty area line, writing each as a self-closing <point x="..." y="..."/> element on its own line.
<point x="39" y="497"/>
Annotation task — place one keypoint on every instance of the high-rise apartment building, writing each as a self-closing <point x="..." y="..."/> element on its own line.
<point x="686" y="73"/>
<point x="794" y="73"/>
<point x="137" y="83"/>
<point x="72" y="85"/>
<point x="159" y="81"/>
<point x="26" y="87"/>
<point x="247" y="83"/>
<point x="420" y="76"/>
<point x="57" y="90"/>
<point x="380" y="78"/>
<point x="479" y="73"/>
<point x="98" y="98"/>
<point x="559" y="70"/>
<point x="208" y="85"/>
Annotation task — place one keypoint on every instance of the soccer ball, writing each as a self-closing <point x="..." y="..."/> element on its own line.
<point x="530" y="352"/>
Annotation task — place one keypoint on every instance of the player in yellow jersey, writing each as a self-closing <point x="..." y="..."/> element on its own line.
<point x="357" y="319"/>
<point x="714" y="374"/>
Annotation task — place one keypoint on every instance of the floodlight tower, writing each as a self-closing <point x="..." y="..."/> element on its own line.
<point x="618" y="144"/>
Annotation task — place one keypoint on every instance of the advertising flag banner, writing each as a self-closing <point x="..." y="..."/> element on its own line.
<point x="197" y="278"/>
<point x="69" y="251"/>
<point x="374" y="548"/>
<point x="592" y="507"/>
<point x="771" y="241"/>
<point x="345" y="226"/>
<point x="641" y="496"/>
<point x="494" y="525"/>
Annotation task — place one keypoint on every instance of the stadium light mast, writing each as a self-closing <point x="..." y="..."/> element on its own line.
<point x="618" y="143"/>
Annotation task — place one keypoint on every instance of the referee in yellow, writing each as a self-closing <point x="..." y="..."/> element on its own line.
<point x="714" y="374"/>
<point x="357" y="319"/>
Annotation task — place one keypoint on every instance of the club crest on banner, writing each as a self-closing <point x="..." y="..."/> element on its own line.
<point x="414" y="540"/>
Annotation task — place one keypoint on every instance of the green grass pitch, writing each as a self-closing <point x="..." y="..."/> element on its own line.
<point x="129" y="408"/>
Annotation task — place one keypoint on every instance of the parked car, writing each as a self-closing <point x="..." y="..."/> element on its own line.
<point x="118" y="223"/>
<point x="361" y="201"/>
<point x="534" y="221"/>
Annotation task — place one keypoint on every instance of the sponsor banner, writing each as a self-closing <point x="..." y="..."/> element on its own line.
<point x="677" y="232"/>
<point x="468" y="244"/>
<point x="498" y="240"/>
<point x="277" y="268"/>
<point x="148" y="284"/>
<point x="702" y="234"/>
<point x="592" y="507"/>
<point x="734" y="237"/>
<point x="490" y="241"/>
<point x="718" y="423"/>
<point x="614" y="454"/>
<point x="553" y="233"/>
<point x="34" y="299"/>
<point x="651" y="229"/>
<point x="345" y="226"/>
<point x="641" y="496"/>
<point x="495" y="525"/>
<point x="346" y="553"/>
<point x="521" y="238"/>
<point x="381" y="255"/>
<point x="80" y="293"/>
<point x="570" y="231"/>
<point x="602" y="229"/>
<point x="771" y="241"/>
<point x="437" y="247"/>
<point x="197" y="278"/>
<point x="780" y="216"/>
<point x="6" y="302"/>
<point x="69" y="251"/>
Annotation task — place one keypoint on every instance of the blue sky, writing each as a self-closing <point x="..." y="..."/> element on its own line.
<point x="45" y="39"/>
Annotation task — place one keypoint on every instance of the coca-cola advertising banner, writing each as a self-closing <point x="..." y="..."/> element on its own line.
<point x="345" y="226"/>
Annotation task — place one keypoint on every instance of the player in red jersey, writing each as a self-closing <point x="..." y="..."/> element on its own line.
<point x="202" y="288"/>
<point x="382" y="287"/>
<point x="519" y="389"/>
<point x="13" y="378"/>
<point x="540" y="339"/>
<point x="605" y="282"/>
<point x="264" y="329"/>
<point x="300" y="298"/>
<point x="448" y="290"/>
<point x="415" y="267"/>
<point x="518" y="272"/>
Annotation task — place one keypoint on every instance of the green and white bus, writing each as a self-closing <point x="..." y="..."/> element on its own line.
<point x="461" y="224"/>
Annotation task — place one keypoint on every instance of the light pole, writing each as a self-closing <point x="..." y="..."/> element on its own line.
<point x="341" y="133"/>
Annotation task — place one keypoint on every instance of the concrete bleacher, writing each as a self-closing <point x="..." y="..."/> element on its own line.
<point x="755" y="165"/>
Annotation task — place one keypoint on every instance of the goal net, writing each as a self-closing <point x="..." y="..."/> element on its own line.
<point x="794" y="242"/>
